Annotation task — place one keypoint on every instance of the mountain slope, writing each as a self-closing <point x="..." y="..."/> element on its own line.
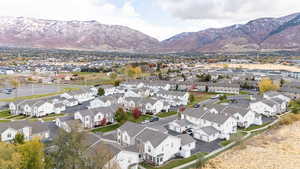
<point x="259" y="34"/>
<point x="88" y="35"/>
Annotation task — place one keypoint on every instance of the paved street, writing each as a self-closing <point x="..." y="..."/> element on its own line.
<point x="202" y="146"/>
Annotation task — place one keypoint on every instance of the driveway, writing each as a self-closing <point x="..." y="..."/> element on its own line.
<point x="202" y="146"/>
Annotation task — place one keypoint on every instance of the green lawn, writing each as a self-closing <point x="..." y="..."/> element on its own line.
<point x="244" y="92"/>
<point x="14" y="117"/>
<point x="234" y="137"/>
<point x="4" y="121"/>
<point x="253" y="127"/>
<point x="140" y="119"/>
<point x="166" y="114"/>
<point x="175" y="163"/>
<point x="108" y="128"/>
<point x="199" y="97"/>
<point x="5" y="113"/>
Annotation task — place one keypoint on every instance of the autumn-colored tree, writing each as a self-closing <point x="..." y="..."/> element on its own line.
<point x="121" y="115"/>
<point x="117" y="83"/>
<point x="133" y="72"/>
<point x="32" y="154"/>
<point x="267" y="85"/>
<point x="15" y="82"/>
<point x="103" y="122"/>
<point x="136" y="113"/>
<point x="10" y="158"/>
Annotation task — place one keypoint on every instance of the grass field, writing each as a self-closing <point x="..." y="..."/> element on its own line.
<point x="140" y="119"/>
<point x="4" y="113"/>
<point x="166" y="114"/>
<point x="107" y="128"/>
<point x="199" y="97"/>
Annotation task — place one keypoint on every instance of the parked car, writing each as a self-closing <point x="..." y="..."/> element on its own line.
<point x="196" y="106"/>
<point x="154" y="119"/>
<point x="188" y="131"/>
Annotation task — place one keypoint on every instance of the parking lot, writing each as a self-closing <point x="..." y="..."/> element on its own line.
<point x="28" y="90"/>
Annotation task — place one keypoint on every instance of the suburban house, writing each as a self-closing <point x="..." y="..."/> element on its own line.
<point x="146" y="105"/>
<point x="181" y="97"/>
<point x="102" y="101"/>
<point x="81" y="95"/>
<point x="157" y="147"/>
<point x="224" y="88"/>
<point x="97" y="116"/>
<point x="220" y="118"/>
<point x="33" y="108"/>
<point x="8" y="131"/>
<point x="187" y="145"/>
<point x="70" y="102"/>
<point x="68" y="123"/>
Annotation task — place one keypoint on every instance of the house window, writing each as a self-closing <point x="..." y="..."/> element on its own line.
<point x="9" y="135"/>
<point x="149" y="149"/>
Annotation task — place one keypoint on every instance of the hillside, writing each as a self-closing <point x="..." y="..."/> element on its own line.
<point x="87" y="35"/>
<point x="261" y="34"/>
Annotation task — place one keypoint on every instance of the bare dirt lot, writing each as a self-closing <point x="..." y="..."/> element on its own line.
<point x="275" y="149"/>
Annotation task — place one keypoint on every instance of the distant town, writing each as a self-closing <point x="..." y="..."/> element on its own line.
<point x="147" y="111"/>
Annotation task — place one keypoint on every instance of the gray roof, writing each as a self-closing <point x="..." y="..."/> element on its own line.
<point x="37" y="127"/>
<point x="131" y="128"/>
<point x="195" y="112"/>
<point x="109" y="111"/>
<point x="153" y="136"/>
<point x="272" y="93"/>
<point x="269" y="103"/>
<point x="219" y="118"/>
<point x="186" y="139"/>
<point x="209" y="130"/>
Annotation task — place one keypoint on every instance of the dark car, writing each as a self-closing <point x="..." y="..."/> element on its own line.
<point x="188" y="131"/>
<point x="196" y="106"/>
<point x="154" y="119"/>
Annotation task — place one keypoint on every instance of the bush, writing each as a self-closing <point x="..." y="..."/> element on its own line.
<point x="121" y="115"/>
<point x="101" y="92"/>
<point x="136" y="113"/>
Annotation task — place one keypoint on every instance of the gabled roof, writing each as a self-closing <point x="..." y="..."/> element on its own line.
<point x="109" y="110"/>
<point x="195" y="112"/>
<point x="131" y="128"/>
<point x="153" y="136"/>
<point x="186" y="139"/>
<point x="209" y="130"/>
<point x="37" y="127"/>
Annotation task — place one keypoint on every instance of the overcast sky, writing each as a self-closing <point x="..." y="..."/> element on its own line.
<point x="158" y="18"/>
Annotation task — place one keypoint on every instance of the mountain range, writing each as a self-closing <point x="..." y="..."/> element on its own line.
<point x="264" y="34"/>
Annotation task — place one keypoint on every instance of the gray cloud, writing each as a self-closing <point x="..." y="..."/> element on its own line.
<point x="234" y="10"/>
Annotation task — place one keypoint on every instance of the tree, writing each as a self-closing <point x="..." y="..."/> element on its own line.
<point x="15" y="82"/>
<point x="10" y="158"/>
<point x="136" y="113"/>
<point x="32" y="154"/>
<point x="121" y="115"/>
<point x="72" y="151"/>
<point x="117" y="83"/>
<point x="223" y="97"/>
<point x="191" y="98"/>
<point x="267" y="85"/>
<point x="103" y="122"/>
<point x="101" y="92"/>
<point x="19" y="139"/>
<point x="282" y="82"/>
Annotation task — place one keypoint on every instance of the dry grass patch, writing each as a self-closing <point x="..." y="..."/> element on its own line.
<point x="277" y="148"/>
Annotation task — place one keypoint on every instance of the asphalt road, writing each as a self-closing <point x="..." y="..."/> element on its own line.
<point x="29" y="90"/>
